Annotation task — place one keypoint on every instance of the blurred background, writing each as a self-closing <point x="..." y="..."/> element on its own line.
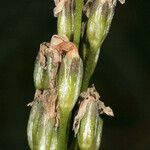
<point x="121" y="76"/>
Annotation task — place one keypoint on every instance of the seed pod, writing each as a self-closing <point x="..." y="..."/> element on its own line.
<point x="34" y="118"/>
<point x="99" y="21"/>
<point x="101" y="14"/>
<point x="69" y="84"/>
<point x="64" y="22"/>
<point x="69" y="80"/>
<point x="46" y="67"/>
<point x="88" y="124"/>
<point x="98" y="134"/>
<point x="40" y="76"/>
<point x="40" y="127"/>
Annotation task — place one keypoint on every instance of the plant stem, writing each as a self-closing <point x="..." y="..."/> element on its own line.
<point x="77" y="21"/>
<point x="90" y="64"/>
<point x="62" y="131"/>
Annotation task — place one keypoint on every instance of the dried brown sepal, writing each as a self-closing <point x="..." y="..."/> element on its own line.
<point x="59" y="6"/>
<point x="57" y="39"/>
<point x="49" y="101"/>
<point x="42" y="54"/>
<point x="87" y="6"/>
<point x="103" y="109"/>
<point x="80" y="115"/>
<point x="122" y="1"/>
<point x="86" y="97"/>
<point x="37" y="96"/>
<point x="64" y="45"/>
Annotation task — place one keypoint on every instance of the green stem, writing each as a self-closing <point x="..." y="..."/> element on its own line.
<point x="62" y="131"/>
<point x="77" y="21"/>
<point x="89" y="67"/>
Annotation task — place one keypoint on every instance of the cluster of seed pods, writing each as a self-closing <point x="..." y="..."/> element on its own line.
<point x="63" y="100"/>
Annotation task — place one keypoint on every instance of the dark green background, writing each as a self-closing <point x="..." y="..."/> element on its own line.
<point x="121" y="77"/>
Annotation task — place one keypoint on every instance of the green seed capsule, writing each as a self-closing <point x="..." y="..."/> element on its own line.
<point x="98" y="134"/>
<point x="45" y="67"/>
<point x="35" y="115"/>
<point x="64" y="23"/>
<point x="69" y="81"/>
<point x="40" y="76"/>
<point x="69" y="84"/>
<point x="40" y="128"/>
<point x="35" y="126"/>
<point x="99" y="21"/>
<point x="98" y="24"/>
<point x="88" y="124"/>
